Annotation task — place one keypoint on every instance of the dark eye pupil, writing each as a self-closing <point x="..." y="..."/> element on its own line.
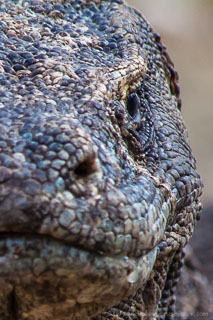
<point x="133" y="104"/>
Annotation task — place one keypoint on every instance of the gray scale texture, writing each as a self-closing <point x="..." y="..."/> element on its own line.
<point x="99" y="191"/>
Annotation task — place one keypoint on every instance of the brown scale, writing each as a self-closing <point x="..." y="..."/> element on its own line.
<point x="171" y="72"/>
<point x="167" y="303"/>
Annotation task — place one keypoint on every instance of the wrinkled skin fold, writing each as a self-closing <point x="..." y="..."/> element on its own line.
<point x="99" y="191"/>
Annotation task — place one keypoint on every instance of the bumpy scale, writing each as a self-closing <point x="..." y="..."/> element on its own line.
<point x="99" y="191"/>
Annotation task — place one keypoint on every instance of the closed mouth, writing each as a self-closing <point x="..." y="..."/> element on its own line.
<point x="44" y="269"/>
<point x="27" y="258"/>
<point x="16" y="246"/>
<point x="21" y="252"/>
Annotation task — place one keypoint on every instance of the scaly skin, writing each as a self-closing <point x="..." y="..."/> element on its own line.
<point x="99" y="191"/>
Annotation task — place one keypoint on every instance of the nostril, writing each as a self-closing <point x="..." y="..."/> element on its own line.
<point x="87" y="167"/>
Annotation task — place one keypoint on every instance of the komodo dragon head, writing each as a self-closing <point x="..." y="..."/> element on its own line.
<point x="99" y="191"/>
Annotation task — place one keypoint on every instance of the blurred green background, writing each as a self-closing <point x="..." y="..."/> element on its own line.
<point x="186" y="28"/>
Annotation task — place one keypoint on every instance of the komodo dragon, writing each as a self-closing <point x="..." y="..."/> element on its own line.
<point x="99" y="191"/>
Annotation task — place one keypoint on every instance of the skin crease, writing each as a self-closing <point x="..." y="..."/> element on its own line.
<point x="99" y="191"/>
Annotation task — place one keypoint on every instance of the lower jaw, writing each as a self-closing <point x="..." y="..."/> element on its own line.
<point x="45" y="276"/>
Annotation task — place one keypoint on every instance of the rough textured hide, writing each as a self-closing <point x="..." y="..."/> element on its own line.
<point x="99" y="191"/>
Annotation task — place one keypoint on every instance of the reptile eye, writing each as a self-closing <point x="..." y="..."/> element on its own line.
<point x="133" y="104"/>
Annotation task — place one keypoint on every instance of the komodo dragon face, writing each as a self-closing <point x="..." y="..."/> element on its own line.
<point x="98" y="186"/>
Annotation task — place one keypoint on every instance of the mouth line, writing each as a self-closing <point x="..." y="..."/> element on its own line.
<point x="40" y="237"/>
<point x="35" y="257"/>
<point x="56" y="252"/>
<point x="27" y="237"/>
